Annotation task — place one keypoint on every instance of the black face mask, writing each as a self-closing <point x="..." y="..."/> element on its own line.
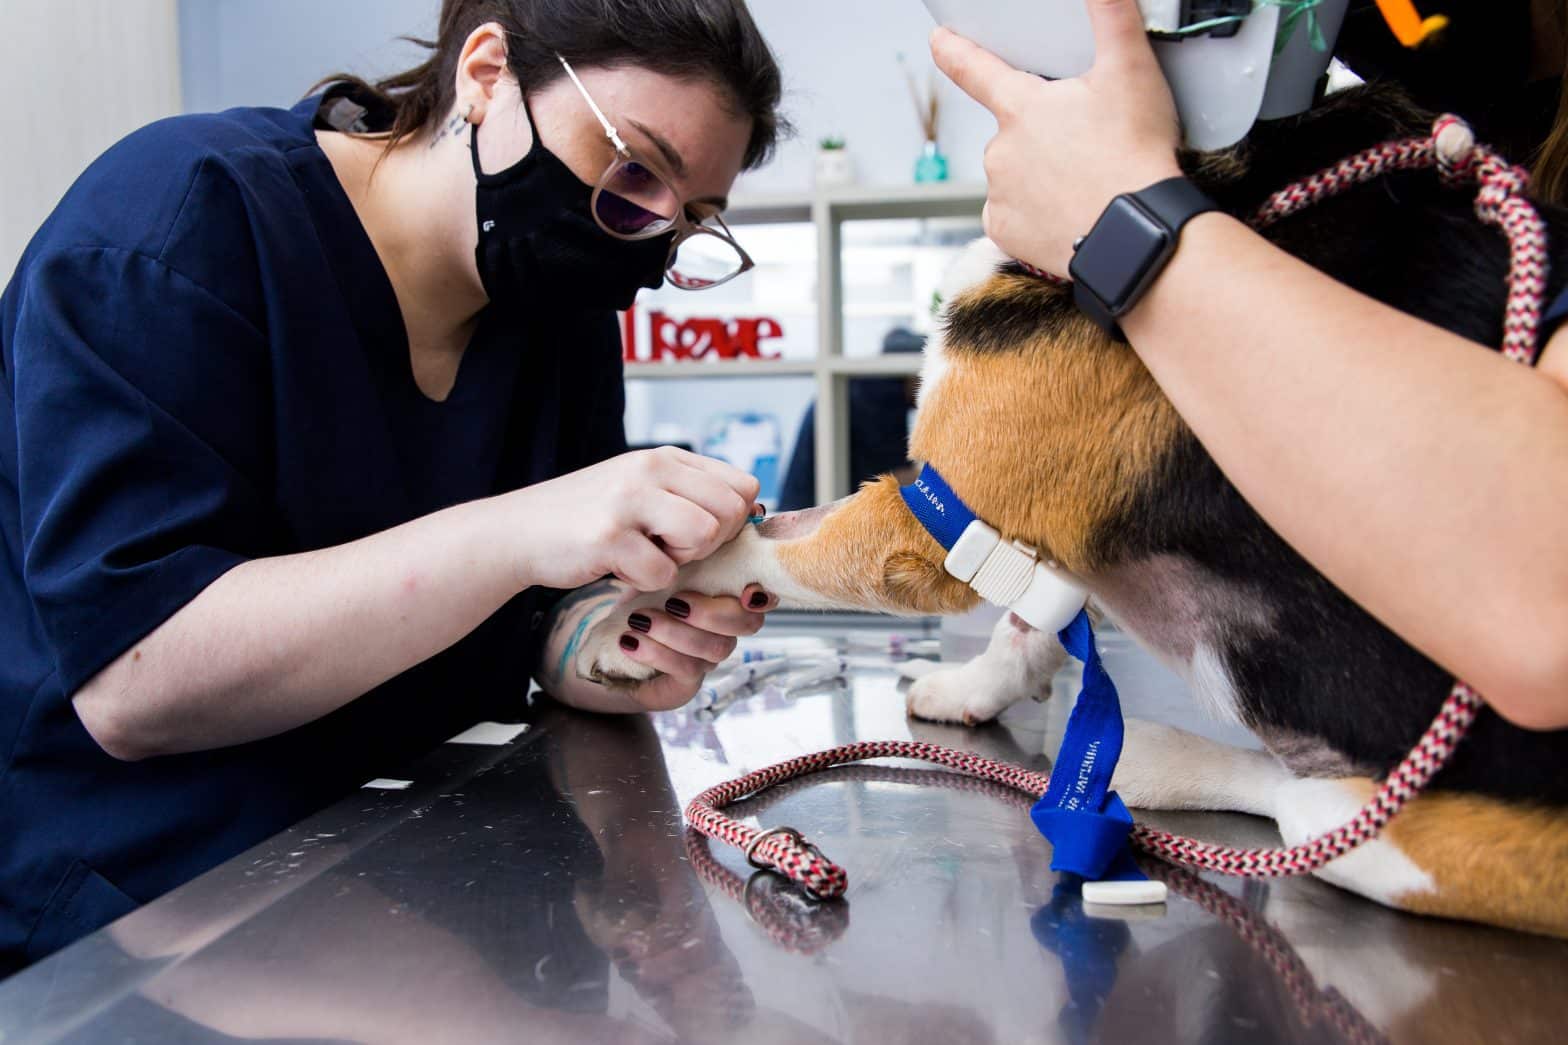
<point x="538" y="242"/>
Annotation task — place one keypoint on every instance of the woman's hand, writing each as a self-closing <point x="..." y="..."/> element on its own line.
<point x="636" y="517"/>
<point x="688" y="639"/>
<point x="684" y="640"/>
<point x="1064" y="148"/>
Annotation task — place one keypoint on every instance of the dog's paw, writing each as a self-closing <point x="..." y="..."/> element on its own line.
<point x="952" y="695"/>
<point x="600" y="657"/>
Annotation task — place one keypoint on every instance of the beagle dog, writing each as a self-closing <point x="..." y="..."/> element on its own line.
<point x="1059" y="438"/>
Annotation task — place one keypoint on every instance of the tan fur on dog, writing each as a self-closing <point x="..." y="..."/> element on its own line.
<point x="1071" y="417"/>
<point x="1493" y="861"/>
<point x="870" y="551"/>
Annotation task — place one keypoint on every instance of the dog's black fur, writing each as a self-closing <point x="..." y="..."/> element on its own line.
<point x="1327" y="670"/>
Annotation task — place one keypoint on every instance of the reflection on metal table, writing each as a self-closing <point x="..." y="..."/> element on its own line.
<point x="543" y="888"/>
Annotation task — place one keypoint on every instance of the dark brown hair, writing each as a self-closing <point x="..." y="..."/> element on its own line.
<point x="1549" y="176"/>
<point x="1549" y="179"/>
<point x="712" y="40"/>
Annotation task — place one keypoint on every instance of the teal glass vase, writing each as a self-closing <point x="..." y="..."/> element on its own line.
<point x="932" y="165"/>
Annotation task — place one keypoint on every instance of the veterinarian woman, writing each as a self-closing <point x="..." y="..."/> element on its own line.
<point x="1423" y="477"/>
<point x="310" y="411"/>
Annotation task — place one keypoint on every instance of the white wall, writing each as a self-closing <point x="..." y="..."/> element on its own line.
<point x="839" y="59"/>
<point x="77" y="76"/>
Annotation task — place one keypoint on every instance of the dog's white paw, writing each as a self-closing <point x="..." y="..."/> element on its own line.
<point x="955" y="695"/>
<point x="600" y="658"/>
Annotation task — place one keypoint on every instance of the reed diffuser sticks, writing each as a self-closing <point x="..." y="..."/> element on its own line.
<point x="928" y="103"/>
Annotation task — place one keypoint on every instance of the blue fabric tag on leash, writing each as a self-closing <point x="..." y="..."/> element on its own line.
<point x="1086" y="822"/>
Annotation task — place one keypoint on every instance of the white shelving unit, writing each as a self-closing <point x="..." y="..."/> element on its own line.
<point x="828" y="211"/>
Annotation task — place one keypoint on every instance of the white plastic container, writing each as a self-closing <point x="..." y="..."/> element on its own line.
<point x="834" y="169"/>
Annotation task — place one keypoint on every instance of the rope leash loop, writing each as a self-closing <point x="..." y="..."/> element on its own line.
<point x="1500" y="201"/>
<point x="785" y="851"/>
<point x="789" y="919"/>
<point x="795" y="843"/>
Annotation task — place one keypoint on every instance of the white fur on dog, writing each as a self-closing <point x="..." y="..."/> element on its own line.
<point x="1017" y="665"/>
<point x="1378" y="870"/>
<point x="977" y="263"/>
<point x="1211" y="685"/>
<point x="1166" y="768"/>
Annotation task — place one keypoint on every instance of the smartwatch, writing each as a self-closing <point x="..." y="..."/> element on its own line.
<point x="1129" y="246"/>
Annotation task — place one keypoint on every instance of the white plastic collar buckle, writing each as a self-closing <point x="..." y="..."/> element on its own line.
<point x="1010" y="574"/>
<point x="971" y="550"/>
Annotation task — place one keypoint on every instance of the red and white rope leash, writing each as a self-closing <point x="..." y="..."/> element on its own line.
<point x="789" y="920"/>
<point x="809" y="930"/>
<point x="1452" y="149"/>
<point x="1500" y="201"/>
<point x="783" y="848"/>
<point x="792" y="922"/>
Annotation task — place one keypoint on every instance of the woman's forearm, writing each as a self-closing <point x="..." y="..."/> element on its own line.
<point x="275" y="643"/>
<point x="1424" y="476"/>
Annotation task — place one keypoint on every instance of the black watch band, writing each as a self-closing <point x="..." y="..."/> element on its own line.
<point x="1129" y="246"/>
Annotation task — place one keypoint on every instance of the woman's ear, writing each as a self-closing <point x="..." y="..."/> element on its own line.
<point x="481" y="66"/>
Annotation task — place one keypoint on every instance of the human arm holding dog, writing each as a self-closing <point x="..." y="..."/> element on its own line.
<point x="277" y="642"/>
<point x="1422" y="477"/>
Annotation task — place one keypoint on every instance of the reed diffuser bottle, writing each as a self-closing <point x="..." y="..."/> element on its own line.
<point x="932" y="164"/>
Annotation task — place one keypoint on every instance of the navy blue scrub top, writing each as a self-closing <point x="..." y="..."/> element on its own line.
<point x="204" y="363"/>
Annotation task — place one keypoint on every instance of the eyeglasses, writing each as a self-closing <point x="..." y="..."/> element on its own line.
<point x="634" y="201"/>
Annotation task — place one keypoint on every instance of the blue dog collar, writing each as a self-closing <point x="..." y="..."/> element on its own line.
<point x="1006" y="573"/>
<point x="940" y="510"/>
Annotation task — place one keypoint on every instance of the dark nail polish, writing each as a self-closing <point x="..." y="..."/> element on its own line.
<point x="628" y="642"/>
<point x="678" y="608"/>
<point x="759" y="599"/>
<point x="640" y="622"/>
<point x="759" y="510"/>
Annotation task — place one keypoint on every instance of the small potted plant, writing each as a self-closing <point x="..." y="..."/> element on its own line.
<point x="834" y="167"/>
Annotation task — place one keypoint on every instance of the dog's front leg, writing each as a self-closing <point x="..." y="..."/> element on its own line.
<point x="1017" y="665"/>
<point x="865" y="552"/>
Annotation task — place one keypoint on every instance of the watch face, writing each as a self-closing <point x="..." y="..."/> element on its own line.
<point x="1120" y="253"/>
